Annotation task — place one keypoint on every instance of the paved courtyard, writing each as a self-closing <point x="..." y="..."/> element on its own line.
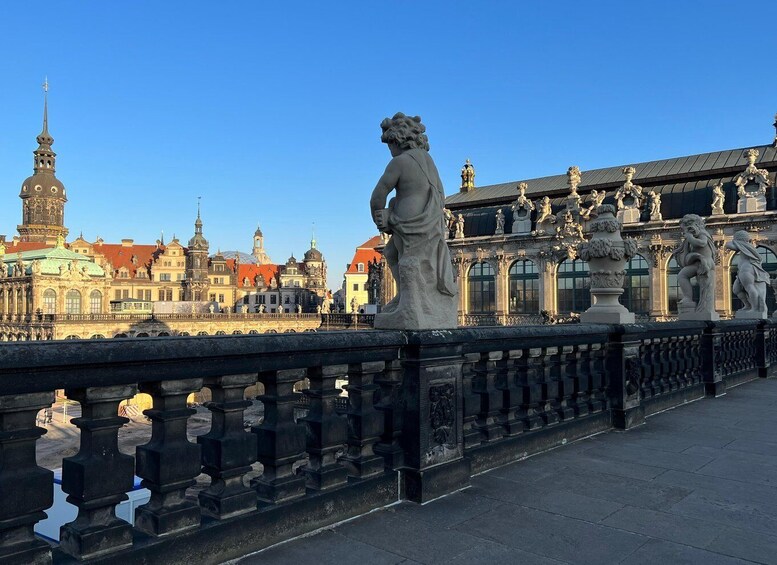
<point x="697" y="484"/>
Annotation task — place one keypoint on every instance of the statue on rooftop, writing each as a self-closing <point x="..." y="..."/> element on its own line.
<point x="718" y="199"/>
<point x="500" y="223"/>
<point x="750" y="284"/>
<point x="696" y="257"/>
<point x="417" y="253"/>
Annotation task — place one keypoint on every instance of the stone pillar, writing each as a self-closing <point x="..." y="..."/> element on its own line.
<point x="388" y="447"/>
<point x="281" y="441"/>
<point x="227" y="449"/>
<point x="326" y="429"/>
<point x="624" y="367"/>
<point x="365" y="423"/>
<point x="432" y="423"/>
<point x="712" y="360"/>
<point x="169" y="462"/>
<point x="27" y="488"/>
<point x="98" y="476"/>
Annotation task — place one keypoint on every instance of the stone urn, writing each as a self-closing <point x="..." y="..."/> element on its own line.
<point x="607" y="254"/>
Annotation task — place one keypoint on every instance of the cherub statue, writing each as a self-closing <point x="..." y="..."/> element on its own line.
<point x="718" y="199"/>
<point x="417" y="253"/>
<point x="459" y="227"/>
<point x="750" y="284"/>
<point x="546" y="210"/>
<point x="500" y="223"/>
<point x="696" y="256"/>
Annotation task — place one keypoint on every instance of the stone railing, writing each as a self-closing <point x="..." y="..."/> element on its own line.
<point x="423" y="412"/>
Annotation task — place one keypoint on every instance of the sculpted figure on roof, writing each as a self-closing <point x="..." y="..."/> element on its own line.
<point x="417" y="253"/>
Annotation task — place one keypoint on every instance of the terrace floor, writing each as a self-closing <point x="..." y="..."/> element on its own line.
<point x="697" y="484"/>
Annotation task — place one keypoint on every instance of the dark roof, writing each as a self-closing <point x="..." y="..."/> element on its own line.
<point x="666" y="176"/>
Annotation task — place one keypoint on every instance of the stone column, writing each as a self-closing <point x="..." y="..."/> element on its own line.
<point x="227" y="449"/>
<point x="432" y="422"/>
<point x="98" y="476"/>
<point x="169" y="462"/>
<point x="27" y="488"/>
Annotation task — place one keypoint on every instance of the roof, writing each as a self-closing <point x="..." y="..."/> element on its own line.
<point x="672" y="172"/>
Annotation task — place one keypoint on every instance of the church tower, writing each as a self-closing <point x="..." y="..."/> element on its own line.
<point x="259" y="253"/>
<point x="43" y="195"/>
<point x="197" y="281"/>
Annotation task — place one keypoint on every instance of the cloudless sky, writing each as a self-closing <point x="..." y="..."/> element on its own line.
<point x="270" y="110"/>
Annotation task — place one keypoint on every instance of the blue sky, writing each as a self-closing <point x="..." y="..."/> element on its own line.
<point x="271" y="111"/>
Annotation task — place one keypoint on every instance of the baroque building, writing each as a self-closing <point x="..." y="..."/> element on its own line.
<point x="514" y="245"/>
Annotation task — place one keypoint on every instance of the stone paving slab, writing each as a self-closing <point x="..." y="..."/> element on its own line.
<point x="697" y="484"/>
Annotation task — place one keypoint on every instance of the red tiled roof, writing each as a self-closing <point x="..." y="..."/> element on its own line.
<point x="251" y="270"/>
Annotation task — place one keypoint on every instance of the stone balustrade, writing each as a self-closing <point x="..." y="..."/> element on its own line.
<point x="422" y="412"/>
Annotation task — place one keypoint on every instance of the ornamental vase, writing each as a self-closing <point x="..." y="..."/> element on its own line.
<point x="607" y="254"/>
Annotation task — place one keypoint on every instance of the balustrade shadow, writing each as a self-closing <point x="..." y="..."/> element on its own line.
<point x="425" y="410"/>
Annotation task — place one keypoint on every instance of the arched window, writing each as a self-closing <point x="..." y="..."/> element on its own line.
<point x="673" y="294"/>
<point x="96" y="302"/>
<point x="769" y="263"/>
<point x="636" y="286"/>
<point x="573" y="283"/>
<point x="73" y="302"/>
<point x="482" y="285"/>
<point x="524" y="288"/>
<point x="49" y="301"/>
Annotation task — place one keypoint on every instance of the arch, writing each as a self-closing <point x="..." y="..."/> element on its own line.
<point x="769" y="263"/>
<point x="573" y="286"/>
<point x="524" y="286"/>
<point x="636" y="286"/>
<point x="481" y="288"/>
<point x="95" y="302"/>
<point x="49" y="301"/>
<point x="72" y="302"/>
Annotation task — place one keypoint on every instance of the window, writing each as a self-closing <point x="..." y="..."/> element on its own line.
<point x="636" y="286"/>
<point x="73" y="302"/>
<point x="524" y="288"/>
<point x="49" y="301"/>
<point x="769" y="263"/>
<point x="95" y="302"/>
<point x="482" y="288"/>
<point x="573" y="286"/>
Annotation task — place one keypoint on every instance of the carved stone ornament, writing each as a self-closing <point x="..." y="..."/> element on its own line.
<point x="607" y="254"/>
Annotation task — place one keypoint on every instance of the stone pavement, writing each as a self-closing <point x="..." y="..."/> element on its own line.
<point x="697" y="484"/>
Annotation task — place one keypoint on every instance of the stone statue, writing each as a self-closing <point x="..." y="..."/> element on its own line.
<point x="417" y="253"/>
<point x="655" y="206"/>
<point x="450" y="221"/>
<point x="522" y="209"/>
<point x="696" y="256"/>
<point x="459" y="227"/>
<point x="546" y="211"/>
<point x="500" y="223"/>
<point x="467" y="176"/>
<point x="718" y="199"/>
<point x="750" y="284"/>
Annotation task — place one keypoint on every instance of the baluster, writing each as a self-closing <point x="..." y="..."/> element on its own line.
<point x="169" y="462"/>
<point x="98" y="477"/>
<point x="227" y="449"/>
<point x="326" y="430"/>
<point x="364" y="422"/>
<point x="471" y="401"/>
<point x="550" y="386"/>
<point x="484" y="384"/>
<point x="530" y="377"/>
<point x="507" y="382"/>
<point x="26" y="489"/>
<point x="281" y="440"/>
<point x="567" y="368"/>
<point x="388" y="447"/>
